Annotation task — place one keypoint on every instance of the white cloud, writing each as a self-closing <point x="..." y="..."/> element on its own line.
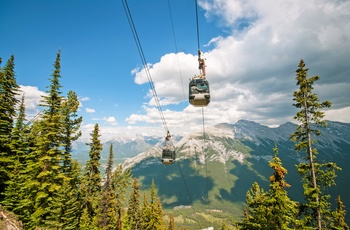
<point x="252" y="70"/>
<point x="341" y="115"/>
<point x="32" y="99"/>
<point x="110" y="120"/>
<point x="89" y="110"/>
<point x="84" y="98"/>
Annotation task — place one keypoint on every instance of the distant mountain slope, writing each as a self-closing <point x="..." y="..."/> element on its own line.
<point x="210" y="179"/>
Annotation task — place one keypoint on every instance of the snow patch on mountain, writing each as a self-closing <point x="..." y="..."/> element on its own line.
<point x="218" y="142"/>
<point x="152" y="152"/>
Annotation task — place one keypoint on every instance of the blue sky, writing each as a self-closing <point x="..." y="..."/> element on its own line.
<point x="252" y="50"/>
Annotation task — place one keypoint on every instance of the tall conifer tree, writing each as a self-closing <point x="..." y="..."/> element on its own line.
<point x="44" y="161"/>
<point x="92" y="177"/>
<point x="133" y="215"/>
<point x="19" y="148"/>
<point x="316" y="176"/>
<point x="9" y="89"/>
<point x="107" y="212"/>
<point x="339" y="216"/>
<point x="121" y="180"/>
<point x="71" y="127"/>
<point x="152" y="216"/>
<point x="272" y="209"/>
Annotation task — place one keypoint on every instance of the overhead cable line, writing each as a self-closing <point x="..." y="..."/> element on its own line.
<point x="202" y="71"/>
<point x="184" y="96"/>
<point x="197" y="25"/>
<point x="144" y="62"/>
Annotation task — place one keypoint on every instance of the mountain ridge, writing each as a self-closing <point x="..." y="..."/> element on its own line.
<point x="214" y="170"/>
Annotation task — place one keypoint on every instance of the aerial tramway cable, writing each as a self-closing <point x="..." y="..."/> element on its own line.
<point x="202" y="72"/>
<point x="144" y="62"/>
<point x="168" y="153"/>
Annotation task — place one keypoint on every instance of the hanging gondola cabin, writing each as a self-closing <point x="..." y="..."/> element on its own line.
<point x="168" y="156"/>
<point x="199" y="94"/>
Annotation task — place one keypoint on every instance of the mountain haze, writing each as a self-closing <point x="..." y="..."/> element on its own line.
<point x="214" y="170"/>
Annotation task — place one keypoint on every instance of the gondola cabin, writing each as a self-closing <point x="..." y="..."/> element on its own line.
<point x="168" y="156"/>
<point x="199" y="94"/>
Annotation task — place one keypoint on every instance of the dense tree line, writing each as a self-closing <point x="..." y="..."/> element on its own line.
<point x="44" y="186"/>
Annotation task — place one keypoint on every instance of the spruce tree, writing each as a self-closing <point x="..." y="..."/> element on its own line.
<point x="316" y="176"/>
<point x="49" y="150"/>
<point x="91" y="184"/>
<point x="120" y="180"/>
<point x="85" y="220"/>
<point x="9" y="89"/>
<point x="146" y="212"/>
<point x="71" y="127"/>
<point x="152" y="216"/>
<point x="133" y="215"/>
<point x="19" y="148"/>
<point x="254" y="214"/>
<point x="107" y="212"/>
<point x="67" y="204"/>
<point x="339" y="216"/>
<point x="44" y="159"/>
<point x="272" y="209"/>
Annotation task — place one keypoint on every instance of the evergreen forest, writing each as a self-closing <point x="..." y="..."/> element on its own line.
<point x="46" y="189"/>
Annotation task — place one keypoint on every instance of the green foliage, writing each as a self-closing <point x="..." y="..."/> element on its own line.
<point x="120" y="181"/>
<point x="316" y="176"/>
<point x="91" y="181"/>
<point x="152" y="212"/>
<point x="133" y="215"/>
<point x="107" y="212"/>
<point x="8" y="102"/>
<point x="18" y="145"/>
<point x="272" y="209"/>
<point x="71" y="126"/>
<point x="339" y="216"/>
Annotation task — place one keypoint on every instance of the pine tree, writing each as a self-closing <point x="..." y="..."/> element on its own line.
<point x="71" y="127"/>
<point x="106" y="214"/>
<point x="153" y="215"/>
<point x="91" y="184"/>
<point x="316" y="176"/>
<point x="19" y="148"/>
<point x="133" y="215"/>
<point x="272" y="209"/>
<point x="146" y="212"/>
<point x="8" y="91"/>
<point x="339" y="216"/>
<point x="120" y="180"/>
<point x="85" y="220"/>
<point x="44" y="159"/>
<point x="66" y="205"/>
<point x="49" y="150"/>
<point x="283" y="209"/>
<point x="254" y="214"/>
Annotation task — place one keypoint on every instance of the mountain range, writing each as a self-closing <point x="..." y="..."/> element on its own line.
<point x="215" y="169"/>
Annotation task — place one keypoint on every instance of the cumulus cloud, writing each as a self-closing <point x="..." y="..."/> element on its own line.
<point x="89" y="110"/>
<point x="110" y="120"/>
<point x="252" y="70"/>
<point x="32" y="99"/>
<point x="84" y="98"/>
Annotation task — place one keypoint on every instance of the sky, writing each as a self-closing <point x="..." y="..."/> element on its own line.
<point x="252" y="49"/>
